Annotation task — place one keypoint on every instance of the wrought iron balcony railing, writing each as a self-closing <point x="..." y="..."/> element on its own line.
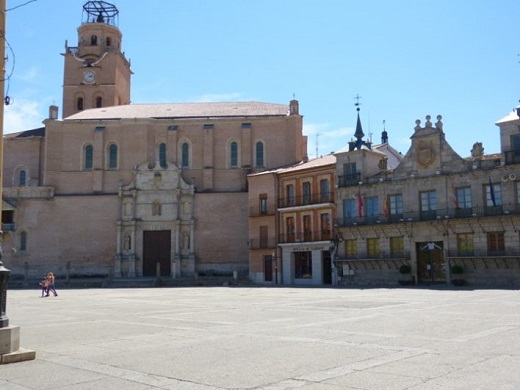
<point x="304" y="200"/>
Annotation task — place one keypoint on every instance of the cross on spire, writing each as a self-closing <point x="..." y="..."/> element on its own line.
<point x="357" y="104"/>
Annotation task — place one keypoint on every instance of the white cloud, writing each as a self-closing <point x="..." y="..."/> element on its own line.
<point x="22" y="115"/>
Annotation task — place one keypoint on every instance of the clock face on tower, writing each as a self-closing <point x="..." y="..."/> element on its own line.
<point x="89" y="77"/>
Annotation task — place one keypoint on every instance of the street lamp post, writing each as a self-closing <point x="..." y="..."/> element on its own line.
<point x="335" y="241"/>
<point x="275" y="261"/>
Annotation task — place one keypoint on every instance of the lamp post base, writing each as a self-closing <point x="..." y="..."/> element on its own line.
<point x="10" y="351"/>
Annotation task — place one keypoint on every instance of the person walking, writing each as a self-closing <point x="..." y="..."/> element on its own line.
<point x="45" y="286"/>
<point x="50" y="280"/>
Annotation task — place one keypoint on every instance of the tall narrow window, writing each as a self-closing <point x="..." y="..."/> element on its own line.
<point x="162" y="155"/>
<point x="349" y="174"/>
<point x="518" y="194"/>
<point x="264" y="236"/>
<point x="396" y="206"/>
<point x="22" y="178"/>
<point x="351" y="248"/>
<point x="108" y="41"/>
<point x="23" y="241"/>
<point x="307" y="229"/>
<point x="465" y="244"/>
<point x="372" y="208"/>
<point x="290" y="195"/>
<point x="325" y="226"/>
<point x="349" y="211"/>
<point x="496" y="243"/>
<point x="397" y="246"/>
<point x="515" y="153"/>
<point x="185" y="152"/>
<point x="289" y="229"/>
<point x="93" y="40"/>
<point x="463" y="202"/>
<point x="99" y="102"/>
<point x="493" y="199"/>
<point x="325" y="190"/>
<point x="233" y="154"/>
<point x="259" y="148"/>
<point x="373" y="247"/>
<point x="112" y="156"/>
<point x="89" y="158"/>
<point x="79" y="104"/>
<point x="263" y="204"/>
<point x="306" y="188"/>
<point x="428" y="205"/>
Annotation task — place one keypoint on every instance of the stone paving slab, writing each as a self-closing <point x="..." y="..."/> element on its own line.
<point x="266" y="338"/>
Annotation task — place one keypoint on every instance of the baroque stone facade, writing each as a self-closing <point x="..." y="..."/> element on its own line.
<point x="131" y="190"/>
<point x="428" y="217"/>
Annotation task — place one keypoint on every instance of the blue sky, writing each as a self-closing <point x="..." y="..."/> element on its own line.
<point x="406" y="59"/>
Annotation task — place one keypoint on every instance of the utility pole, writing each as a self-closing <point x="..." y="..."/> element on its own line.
<point x="3" y="7"/>
<point x="10" y="351"/>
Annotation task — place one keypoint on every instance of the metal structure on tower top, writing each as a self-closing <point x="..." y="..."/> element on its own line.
<point x="100" y="12"/>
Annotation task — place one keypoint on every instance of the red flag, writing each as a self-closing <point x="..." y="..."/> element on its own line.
<point x="359" y="205"/>
<point x="386" y="211"/>
<point x="455" y="200"/>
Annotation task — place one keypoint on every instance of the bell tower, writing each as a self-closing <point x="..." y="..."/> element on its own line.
<point x="96" y="72"/>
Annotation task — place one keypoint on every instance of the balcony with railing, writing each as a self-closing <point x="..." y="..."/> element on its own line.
<point x="431" y="215"/>
<point x="259" y="211"/>
<point x="512" y="157"/>
<point x="310" y="236"/>
<point x="305" y="200"/>
<point x="349" y="180"/>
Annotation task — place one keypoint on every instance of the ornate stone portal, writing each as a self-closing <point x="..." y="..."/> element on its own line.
<point x="156" y="228"/>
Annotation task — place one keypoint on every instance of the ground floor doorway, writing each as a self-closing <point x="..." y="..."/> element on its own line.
<point x="268" y="268"/>
<point x="156" y="249"/>
<point x="431" y="266"/>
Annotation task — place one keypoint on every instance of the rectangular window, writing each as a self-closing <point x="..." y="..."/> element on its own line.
<point x="290" y="195"/>
<point x="306" y="189"/>
<point x="518" y="195"/>
<point x="307" y="229"/>
<point x="264" y="237"/>
<point x="351" y="248"/>
<point x="493" y="199"/>
<point x="303" y="265"/>
<point x="397" y="246"/>
<point x="372" y="208"/>
<point x="464" y="198"/>
<point x="396" y="206"/>
<point x="325" y="226"/>
<point x="373" y="247"/>
<point x="465" y="244"/>
<point x="349" y="174"/>
<point x="496" y="243"/>
<point x="428" y="201"/>
<point x="325" y="190"/>
<point x="263" y="203"/>
<point x="289" y="229"/>
<point x="349" y="211"/>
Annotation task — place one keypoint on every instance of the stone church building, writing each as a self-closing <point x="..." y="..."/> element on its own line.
<point x="128" y="190"/>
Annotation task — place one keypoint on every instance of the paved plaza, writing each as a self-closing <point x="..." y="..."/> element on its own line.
<point x="266" y="338"/>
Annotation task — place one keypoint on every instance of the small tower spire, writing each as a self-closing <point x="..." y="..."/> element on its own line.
<point x="384" y="134"/>
<point x="358" y="143"/>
